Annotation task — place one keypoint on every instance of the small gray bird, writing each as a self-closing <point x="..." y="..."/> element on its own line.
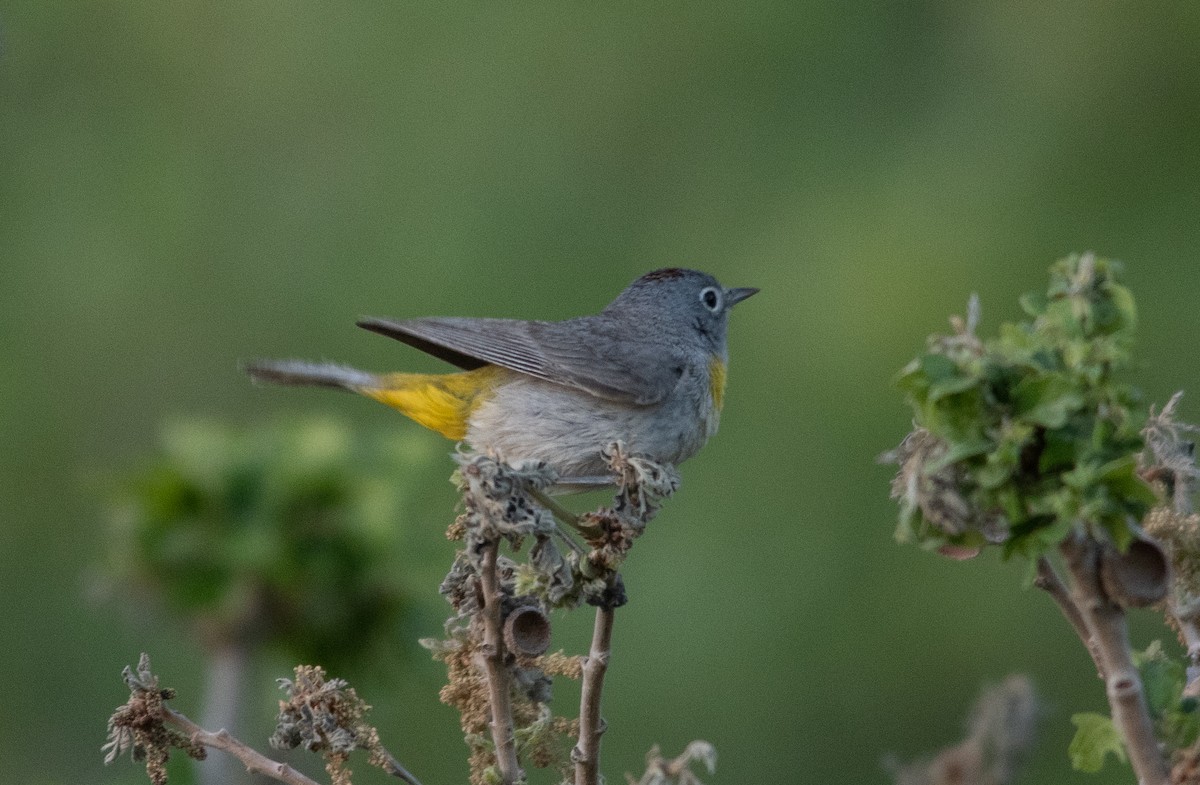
<point x="649" y="370"/>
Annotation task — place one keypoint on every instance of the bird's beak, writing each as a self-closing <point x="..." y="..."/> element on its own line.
<point x="735" y="296"/>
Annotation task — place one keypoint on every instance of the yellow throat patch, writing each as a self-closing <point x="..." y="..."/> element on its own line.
<point x="442" y="402"/>
<point x="716" y="381"/>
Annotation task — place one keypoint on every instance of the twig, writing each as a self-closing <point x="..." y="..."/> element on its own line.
<point x="500" y="697"/>
<point x="1048" y="580"/>
<point x="387" y="761"/>
<point x="255" y="761"/>
<point x="591" y="726"/>
<point x="1105" y="622"/>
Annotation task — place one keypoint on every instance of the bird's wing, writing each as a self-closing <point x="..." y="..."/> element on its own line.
<point x="582" y="353"/>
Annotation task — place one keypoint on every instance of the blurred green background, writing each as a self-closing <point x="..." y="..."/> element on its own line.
<point x="185" y="185"/>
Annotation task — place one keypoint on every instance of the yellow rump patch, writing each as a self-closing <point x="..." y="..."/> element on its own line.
<point x="716" y="381"/>
<point x="441" y="402"/>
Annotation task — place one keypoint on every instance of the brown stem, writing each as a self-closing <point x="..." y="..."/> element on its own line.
<point x="1048" y="580"/>
<point x="494" y="656"/>
<point x="255" y="761"/>
<point x="591" y="726"/>
<point x="1105" y="622"/>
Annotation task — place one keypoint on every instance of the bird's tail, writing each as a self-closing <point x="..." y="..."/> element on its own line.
<point x="440" y="402"/>
<point x="301" y="373"/>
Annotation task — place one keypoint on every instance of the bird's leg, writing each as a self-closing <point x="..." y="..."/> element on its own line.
<point x="557" y="510"/>
<point x="563" y="515"/>
<point x="586" y="483"/>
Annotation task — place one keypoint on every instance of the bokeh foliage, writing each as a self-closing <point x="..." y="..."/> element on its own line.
<point x="283" y="535"/>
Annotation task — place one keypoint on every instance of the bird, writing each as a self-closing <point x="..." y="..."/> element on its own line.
<point x="649" y="370"/>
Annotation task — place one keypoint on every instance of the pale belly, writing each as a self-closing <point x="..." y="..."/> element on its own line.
<point x="530" y="419"/>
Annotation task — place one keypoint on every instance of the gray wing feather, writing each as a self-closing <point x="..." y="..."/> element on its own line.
<point x="579" y="353"/>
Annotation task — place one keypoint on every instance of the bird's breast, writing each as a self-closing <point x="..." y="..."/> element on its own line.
<point x="524" y="418"/>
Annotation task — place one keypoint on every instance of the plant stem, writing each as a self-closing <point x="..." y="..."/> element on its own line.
<point x="1105" y="621"/>
<point x="1048" y="580"/>
<point x="228" y="663"/>
<point x="255" y="761"/>
<point x="500" y="696"/>
<point x="591" y="726"/>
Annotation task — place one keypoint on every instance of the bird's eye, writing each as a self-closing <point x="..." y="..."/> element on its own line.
<point x="711" y="298"/>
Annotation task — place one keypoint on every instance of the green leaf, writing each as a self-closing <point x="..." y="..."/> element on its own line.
<point x="1095" y="737"/>
<point x="951" y="386"/>
<point x="958" y="451"/>
<point x="1035" y="537"/>
<point x="1123" y="301"/>
<point x="1060" y="451"/>
<point x="1162" y="678"/>
<point x="1181" y="726"/>
<point x="1120" y="533"/>
<point x="1123" y="481"/>
<point x="1163" y="681"/>
<point x="1033" y="303"/>
<point x="938" y="367"/>
<point x="1047" y="400"/>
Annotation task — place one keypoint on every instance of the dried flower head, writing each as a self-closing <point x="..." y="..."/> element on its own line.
<point x="676" y="771"/>
<point x="138" y="726"/>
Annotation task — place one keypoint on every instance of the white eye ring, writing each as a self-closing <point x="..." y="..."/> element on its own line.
<point x="711" y="297"/>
